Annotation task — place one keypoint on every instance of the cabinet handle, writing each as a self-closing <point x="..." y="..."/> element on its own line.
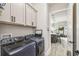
<point x="32" y="23"/>
<point x="34" y="46"/>
<point x="12" y="18"/>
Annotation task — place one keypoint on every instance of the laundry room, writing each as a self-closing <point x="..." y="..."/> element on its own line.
<point x="39" y="29"/>
<point x="23" y="19"/>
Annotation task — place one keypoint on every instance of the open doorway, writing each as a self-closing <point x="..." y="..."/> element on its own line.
<point x="61" y="26"/>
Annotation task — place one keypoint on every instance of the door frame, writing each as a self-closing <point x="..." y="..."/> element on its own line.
<point x="74" y="29"/>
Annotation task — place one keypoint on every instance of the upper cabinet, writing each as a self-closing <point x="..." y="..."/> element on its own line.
<point x="28" y="15"/>
<point x="34" y="17"/>
<point x="18" y="12"/>
<point x="31" y="15"/>
<point x="5" y="12"/>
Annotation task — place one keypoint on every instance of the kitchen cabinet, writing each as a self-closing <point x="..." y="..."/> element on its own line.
<point x="31" y="15"/>
<point x="5" y="15"/>
<point x="18" y="12"/>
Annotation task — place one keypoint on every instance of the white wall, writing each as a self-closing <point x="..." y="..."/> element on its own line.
<point x="15" y="30"/>
<point x="42" y="23"/>
<point x="78" y="26"/>
<point x="70" y="27"/>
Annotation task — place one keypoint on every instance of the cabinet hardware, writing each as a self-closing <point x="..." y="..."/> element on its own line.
<point x="32" y="23"/>
<point x="12" y="18"/>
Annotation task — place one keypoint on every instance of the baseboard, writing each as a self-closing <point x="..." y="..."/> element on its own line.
<point x="47" y="53"/>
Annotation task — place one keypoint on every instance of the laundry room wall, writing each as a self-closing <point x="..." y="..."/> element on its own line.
<point x="15" y="30"/>
<point x="42" y="23"/>
<point x="77" y="41"/>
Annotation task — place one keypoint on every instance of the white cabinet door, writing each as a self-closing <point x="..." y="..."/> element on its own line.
<point x="28" y="15"/>
<point x="5" y="16"/>
<point x="34" y="16"/>
<point x="18" y="12"/>
<point x="31" y="15"/>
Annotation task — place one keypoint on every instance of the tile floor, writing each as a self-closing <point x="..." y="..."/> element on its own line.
<point x="58" y="50"/>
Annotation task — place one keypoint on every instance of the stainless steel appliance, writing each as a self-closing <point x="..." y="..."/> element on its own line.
<point x="18" y="47"/>
<point x="29" y="45"/>
<point x="39" y="40"/>
<point x="39" y="45"/>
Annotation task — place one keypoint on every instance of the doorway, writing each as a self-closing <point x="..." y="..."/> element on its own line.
<point x="61" y="26"/>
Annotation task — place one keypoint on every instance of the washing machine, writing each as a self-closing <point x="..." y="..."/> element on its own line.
<point x="39" y="40"/>
<point x="18" y="47"/>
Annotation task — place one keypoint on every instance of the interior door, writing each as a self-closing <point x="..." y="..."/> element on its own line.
<point x="18" y="12"/>
<point x="5" y="16"/>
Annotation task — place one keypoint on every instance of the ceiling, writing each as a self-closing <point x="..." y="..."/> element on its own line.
<point x="57" y="6"/>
